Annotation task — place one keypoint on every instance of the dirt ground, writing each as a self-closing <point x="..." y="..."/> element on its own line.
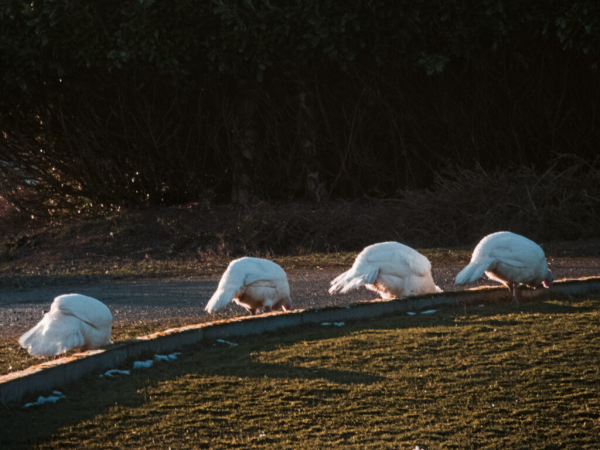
<point x="182" y="299"/>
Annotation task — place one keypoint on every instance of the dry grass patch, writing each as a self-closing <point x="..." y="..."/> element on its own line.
<point x="494" y="377"/>
<point x="198" y="239"/>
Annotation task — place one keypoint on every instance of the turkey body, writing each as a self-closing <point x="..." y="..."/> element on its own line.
<point x="74" y="320"/>
<point x="510" y="259"/>
<point x="253" y="283"/>
<point x="391" y="269"/>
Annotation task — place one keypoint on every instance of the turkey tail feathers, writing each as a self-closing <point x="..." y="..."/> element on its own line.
<point x="221" y="298"/>
<point x="353" y="279"/>
<point x="49" y="338"/>
<point x="231" y="282"/>
<point x="28" y="338"/>
<point x="473" y="271"/>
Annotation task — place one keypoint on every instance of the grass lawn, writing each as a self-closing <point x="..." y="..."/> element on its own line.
<point x="500" y="376"/>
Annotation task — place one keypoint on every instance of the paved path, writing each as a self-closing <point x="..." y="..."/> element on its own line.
<point x="143" y="301"/>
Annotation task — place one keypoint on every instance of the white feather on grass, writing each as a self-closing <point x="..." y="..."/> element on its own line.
<point x="56" y="396"/>
<point x="143" y="364"/>
<point x="223" y="341"/>
<point x="111" y="373"/>
<point x="171" y="357"/>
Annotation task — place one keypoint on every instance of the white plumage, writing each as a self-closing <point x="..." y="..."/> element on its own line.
<point x="74" y="320"/>
<point x="510" y="259"/>
<point x="252" y="283"/>
<point x="391" y="269"/>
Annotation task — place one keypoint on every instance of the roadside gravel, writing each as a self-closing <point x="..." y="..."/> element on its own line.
<point x="182" y="300"/>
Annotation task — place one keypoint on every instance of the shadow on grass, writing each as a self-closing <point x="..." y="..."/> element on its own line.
<point x="91" y="396"/>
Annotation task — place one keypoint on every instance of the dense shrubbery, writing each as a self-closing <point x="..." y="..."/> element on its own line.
<point x="561" y="204"/>
<point x="155" y="102"/>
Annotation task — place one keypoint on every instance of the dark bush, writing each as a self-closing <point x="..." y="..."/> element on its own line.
<point x="152" y="102"/>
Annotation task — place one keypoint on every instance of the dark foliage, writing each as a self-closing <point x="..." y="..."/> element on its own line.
<point x="154" y="103"/>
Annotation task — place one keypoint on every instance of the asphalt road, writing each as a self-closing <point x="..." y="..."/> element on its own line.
<point x="155" y="300"/>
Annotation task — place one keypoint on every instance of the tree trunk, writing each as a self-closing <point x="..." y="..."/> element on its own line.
<point x="314" y="188"/>
<point x="246" y="145"/>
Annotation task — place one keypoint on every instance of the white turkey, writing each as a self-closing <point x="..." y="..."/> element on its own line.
<point x="252" y="283"/>
<point x="74" y="320"/>
<point x="391" y="269"/>
<point x="510" y="259"/>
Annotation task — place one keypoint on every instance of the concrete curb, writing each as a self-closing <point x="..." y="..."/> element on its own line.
<point x="50" y="375"/>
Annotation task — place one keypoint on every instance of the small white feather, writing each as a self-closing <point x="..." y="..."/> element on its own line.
<point x="223" y="341"/>
<point x="111" y="373"/>
<point x="143" y="364"/>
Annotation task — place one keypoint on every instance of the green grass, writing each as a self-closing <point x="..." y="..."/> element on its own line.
<point x="14" y="358"/>
<point x="502" y="376"/>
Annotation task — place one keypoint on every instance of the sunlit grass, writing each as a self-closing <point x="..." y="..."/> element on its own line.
<point x="501" y="376"/>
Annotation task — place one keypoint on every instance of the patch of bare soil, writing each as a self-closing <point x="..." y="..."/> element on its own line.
<point x="198" y="240"/>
